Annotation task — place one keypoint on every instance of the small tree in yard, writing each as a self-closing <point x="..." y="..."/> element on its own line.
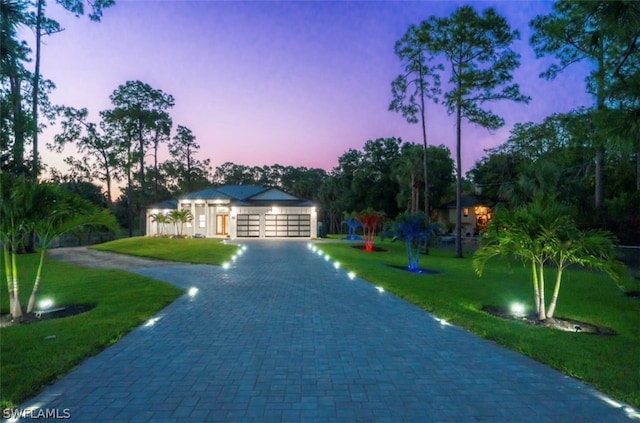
<point x="540" y="234"/>
<point x="160" y="219"/>
<point x="412" y="229"/>
<point x="179" y="218"/>
<point x="27" y="207"/>
<point x="370" y="220"/>
<point x="353" y="224"/>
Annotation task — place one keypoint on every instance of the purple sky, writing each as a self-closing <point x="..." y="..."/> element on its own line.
<point x="293" y="83"/>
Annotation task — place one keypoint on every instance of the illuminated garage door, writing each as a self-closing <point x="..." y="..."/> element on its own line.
<point x="288" y="225"/>
<point x="248" y="226"/>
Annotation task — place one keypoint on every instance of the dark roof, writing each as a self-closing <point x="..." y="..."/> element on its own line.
<point x="248" y="195"/>
<point x="241" y="192"/>
<point x="164" y="205"/>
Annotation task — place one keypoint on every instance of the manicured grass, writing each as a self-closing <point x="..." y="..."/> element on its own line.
<point x="122" y="302"/>
<point x="456" y="294"/>
<point x="199" y="251"/>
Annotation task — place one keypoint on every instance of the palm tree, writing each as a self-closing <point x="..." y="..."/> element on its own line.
<point x="412" y="229"/>
<point x="160" y="219"/>
<point x="540" y="233"/>
<point x="370" y="220"/>
<point x="591" y="248"/>
<point x="179" y="218"/>
<point x="58" y="214"/>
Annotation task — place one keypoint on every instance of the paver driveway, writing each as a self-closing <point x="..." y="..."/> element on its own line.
<point x="284" y="336"/>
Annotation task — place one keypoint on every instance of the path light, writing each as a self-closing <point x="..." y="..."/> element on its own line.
<point x="310" y="246"/>
<point x="380" y="289"/>
<point x="326" y="257"/>
<point x="244" y="248"/>
<point x="518" y="309"/>
<point x="152" y="321"/>
<point x="226" y="265"/>
<point x="336" y="265"/>
<point x="193" y="291"/>
<point x="441" y="321"/>
<point x="45" y="304"/>
<point x="351" y="275"/>
<point x="319" y="252"/>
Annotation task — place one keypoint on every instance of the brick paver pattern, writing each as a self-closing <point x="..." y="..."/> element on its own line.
<point x="283" y="336"/>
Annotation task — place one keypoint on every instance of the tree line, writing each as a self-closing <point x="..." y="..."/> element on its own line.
<point x="588" y="158"/>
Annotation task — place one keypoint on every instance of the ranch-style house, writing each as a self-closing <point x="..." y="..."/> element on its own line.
<point x="238" y="211"/>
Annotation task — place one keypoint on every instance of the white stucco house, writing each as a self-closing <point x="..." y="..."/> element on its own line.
<point x="239" y="211"/>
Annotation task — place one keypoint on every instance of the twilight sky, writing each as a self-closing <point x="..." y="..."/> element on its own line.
<point x="293" y="83"/>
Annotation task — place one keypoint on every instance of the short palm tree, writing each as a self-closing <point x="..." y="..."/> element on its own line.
<point x="413" y="230"/>
<point x="179" y="218"/>
<point x="541" y="233"/>
<point x="160" y="219"/>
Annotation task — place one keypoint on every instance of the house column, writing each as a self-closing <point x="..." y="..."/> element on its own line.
<point x="193" y="215"/>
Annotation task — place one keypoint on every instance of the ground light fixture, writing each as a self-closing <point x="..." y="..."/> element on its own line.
<point x="380" y="289"/>
<point x="226" y="265"/>
<point x="336" y="264"/>
<point x="45" y="304"/>
<point x="152" y="321"/>
<point x="351" y="275"/>
<point x="517" y="309"/>
<point x="193" y="291"/>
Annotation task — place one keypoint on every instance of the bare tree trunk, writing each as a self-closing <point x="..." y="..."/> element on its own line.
<point x="536" y="286"/>
<point x="458" y="182"/>
<point x="554" y="298"/>
<point x="18" y="121"/>
<point x="16" y="310"/>
<point x="36" y="90"/>
<point x="542" y="315"/>
<point x="638" y="168"/>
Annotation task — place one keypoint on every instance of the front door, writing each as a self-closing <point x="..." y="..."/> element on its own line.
<point x="222" y="224"/>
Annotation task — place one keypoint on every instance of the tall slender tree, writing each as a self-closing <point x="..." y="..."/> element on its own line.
<point x="476" y="52"/>
<point x="419" y="81"/>
<point x="45" y="26"/>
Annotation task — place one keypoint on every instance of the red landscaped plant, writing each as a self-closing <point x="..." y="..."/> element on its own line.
<point x="370" y="220"/>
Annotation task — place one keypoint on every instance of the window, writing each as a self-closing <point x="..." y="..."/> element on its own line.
<point x="465" y="212"/>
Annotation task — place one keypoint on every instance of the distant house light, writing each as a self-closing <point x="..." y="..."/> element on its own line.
<point x="465" y="212"/>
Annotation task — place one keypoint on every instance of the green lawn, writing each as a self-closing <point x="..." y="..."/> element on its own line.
<point x="199" y="251"/>
<point x="122" y="302"/>
<point x="456" y="294"/>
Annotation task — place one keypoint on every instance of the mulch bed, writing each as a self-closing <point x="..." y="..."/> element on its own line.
<point x="67" y="311"/>
<point x="420" y="271"/>
<point x="375" y="249"/>
<point x="567" y="325"/>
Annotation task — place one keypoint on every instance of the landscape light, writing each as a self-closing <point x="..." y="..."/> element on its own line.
<point x="226" y="265"/>
<point x="152" y="321"/>
<point x="517" y="309"/>
<point x="193" y="291"/>
<point x="380" y="289"/>
<point x="326" y="257"/>
<point x="336" y="265"/>
<point x="351" y="275"/>
<point x="45" y="304"/>
<point x="319" y="252"/>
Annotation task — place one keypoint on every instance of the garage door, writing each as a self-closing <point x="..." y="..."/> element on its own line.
<point x="248" y="226"/>
<point x="288" y="225"/>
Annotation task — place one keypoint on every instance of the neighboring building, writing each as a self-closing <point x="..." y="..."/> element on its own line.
<point x="475" y="215"/>
<point x="240" y="211"/>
